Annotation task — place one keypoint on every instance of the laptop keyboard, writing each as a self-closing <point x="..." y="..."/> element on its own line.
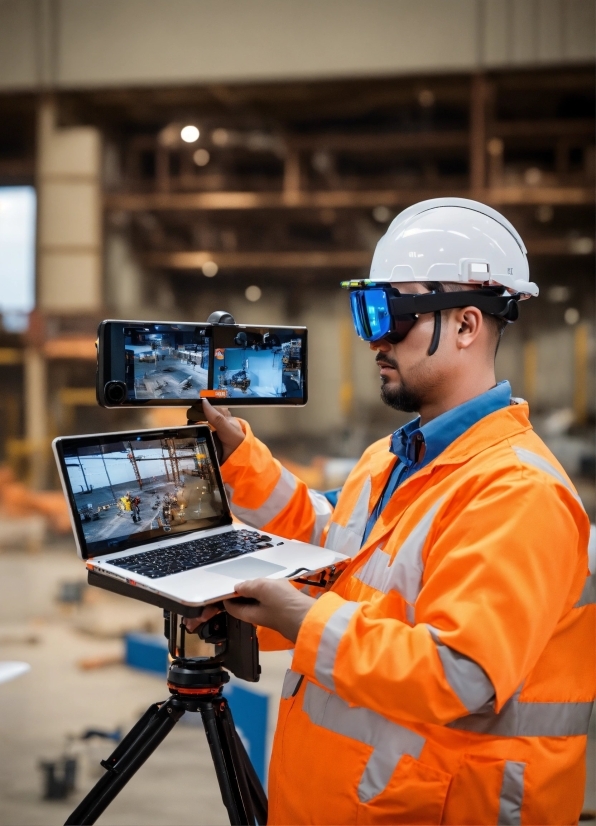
<point x="188" y="555"/>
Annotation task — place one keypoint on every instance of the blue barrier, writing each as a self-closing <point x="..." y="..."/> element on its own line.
<point x="148" y="652"/>
<point x="250" y="710"/>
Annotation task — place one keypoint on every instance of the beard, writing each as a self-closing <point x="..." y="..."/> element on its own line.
<point x="403" y="397"/>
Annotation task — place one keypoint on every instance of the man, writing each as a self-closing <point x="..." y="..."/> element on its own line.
<point x="447" y="674"/>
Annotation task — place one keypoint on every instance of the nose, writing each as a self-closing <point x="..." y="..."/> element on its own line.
<point x="381" y="345"/>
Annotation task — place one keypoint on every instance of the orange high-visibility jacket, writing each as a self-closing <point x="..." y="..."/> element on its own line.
<point x="449" y="673"/>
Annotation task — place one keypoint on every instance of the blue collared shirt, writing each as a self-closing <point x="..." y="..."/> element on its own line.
<point x="435" y="436"/>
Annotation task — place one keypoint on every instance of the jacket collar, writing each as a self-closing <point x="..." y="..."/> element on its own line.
<point x="503" y="424"/>
<point x="437" y="434"/>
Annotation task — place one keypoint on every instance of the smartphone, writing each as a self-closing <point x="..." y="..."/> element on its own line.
<point x="155" y="363"/>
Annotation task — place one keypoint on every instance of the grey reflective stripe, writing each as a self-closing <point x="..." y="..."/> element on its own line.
<point x="588" y="596"/>
<point x="347" y="540"/>
<point x="291" y="682"/>
<point x="467" y="679"/>
<point x="323" y="510"/>
<point x="329" y="642"/>
<point x="539" y="462"/>
<point x="271" y="507"/>
<point x="411" y="614"/>
<point x="405" y="573"/>
<point x="388" y="740"/>
<point x="512" y="794"/>
<point x="520" y="719"/>
<point x="592" y="550"/>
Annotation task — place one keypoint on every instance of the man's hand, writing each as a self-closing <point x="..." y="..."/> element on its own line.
<point x="208" y="611"/>
<point x="225" y="425"/>
<point x="274" y="603"/>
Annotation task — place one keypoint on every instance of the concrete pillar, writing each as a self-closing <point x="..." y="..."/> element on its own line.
<point x="69" y="272"/>
<point x="36" y="426"/>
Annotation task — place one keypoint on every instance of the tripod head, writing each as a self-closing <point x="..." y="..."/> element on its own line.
<point x="236" y="646"/>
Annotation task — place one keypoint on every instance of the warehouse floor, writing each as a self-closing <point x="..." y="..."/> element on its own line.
<point x="64" y="695"/>
<point x="59" y="697"/>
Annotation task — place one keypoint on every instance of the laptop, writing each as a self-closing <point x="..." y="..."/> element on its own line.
<point x="151" y="519"/>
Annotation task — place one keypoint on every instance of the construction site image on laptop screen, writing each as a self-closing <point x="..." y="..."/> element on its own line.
<point x="258" y="364"/>
<point x="130" y="492"/>
<point x="165" y="362"/>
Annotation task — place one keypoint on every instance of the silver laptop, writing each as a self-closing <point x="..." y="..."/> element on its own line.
<point x="151" y="518"/>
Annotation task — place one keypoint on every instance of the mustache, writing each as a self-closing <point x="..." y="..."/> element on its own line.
<point x="385" y="359"/>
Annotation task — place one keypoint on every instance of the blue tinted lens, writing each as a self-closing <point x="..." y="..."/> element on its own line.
<point x="370" y="313"/>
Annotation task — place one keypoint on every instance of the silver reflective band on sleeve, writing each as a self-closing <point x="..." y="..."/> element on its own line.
<point x="404" y="575"/>
<point x="512" y="794"/>
<point x="539" y="462"/>
<point x="388" y="740"/>
<point x="291" y="683"/>
<point x="271" y="507"/>
<point x="329" y="643"/>
<point x="592" y="550"/>
<point x="347" y="539"/>
<point x="588" y="596"/>
<point x="323" y="510"/>
<point x="520" y="719"/>
<point x="468" y="680"/>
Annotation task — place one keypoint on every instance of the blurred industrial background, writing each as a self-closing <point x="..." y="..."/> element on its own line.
<point x="161" y="160"/>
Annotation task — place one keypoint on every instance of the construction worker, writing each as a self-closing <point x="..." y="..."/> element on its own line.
<point x="447" y="674"/>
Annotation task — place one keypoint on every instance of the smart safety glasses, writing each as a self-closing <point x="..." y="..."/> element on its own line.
<point x="380" y="311"/>
<point x="372" y="316"/>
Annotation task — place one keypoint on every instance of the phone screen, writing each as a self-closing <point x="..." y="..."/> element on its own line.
<point x="258" y="363"/>
<point x="166" y="361"/>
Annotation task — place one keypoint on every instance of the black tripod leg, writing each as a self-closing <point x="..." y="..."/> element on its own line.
<point x="230" y="737"/>
<point x="226" y="775"/>
<point x="138" y="745"/>
<point x="248" y="781"/>
<point x="257" y="793"/>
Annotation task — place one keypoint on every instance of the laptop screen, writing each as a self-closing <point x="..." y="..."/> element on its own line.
<point x="131" y="489"/>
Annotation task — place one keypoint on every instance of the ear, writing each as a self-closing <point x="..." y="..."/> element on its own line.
<point x="469" y="323"/>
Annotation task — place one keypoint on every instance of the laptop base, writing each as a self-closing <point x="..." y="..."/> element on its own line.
<point x="117" y="586"/>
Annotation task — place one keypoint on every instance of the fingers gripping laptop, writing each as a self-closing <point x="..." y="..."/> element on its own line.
<point x="151" y="518"/>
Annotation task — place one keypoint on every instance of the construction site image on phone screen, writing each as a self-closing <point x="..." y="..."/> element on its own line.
<point x="258" y="363"/>
<point x="162" y="362"/>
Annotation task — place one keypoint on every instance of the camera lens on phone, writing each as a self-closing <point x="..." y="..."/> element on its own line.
<point x="115" y="392"/>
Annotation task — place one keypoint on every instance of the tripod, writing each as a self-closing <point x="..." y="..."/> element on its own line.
<point x="195" y="684"/>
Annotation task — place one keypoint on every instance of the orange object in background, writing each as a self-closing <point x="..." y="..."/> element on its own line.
<point x="18" y="501"/>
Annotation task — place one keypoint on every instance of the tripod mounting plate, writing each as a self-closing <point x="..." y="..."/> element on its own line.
<point x="200" y="674"/>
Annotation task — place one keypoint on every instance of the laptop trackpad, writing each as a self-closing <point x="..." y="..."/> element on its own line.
<point x="246" y="568"/>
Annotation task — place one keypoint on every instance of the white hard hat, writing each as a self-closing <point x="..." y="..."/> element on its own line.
<point x="455" y="240"/>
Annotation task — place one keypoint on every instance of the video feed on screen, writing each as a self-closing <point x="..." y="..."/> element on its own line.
<point x="144" y="489"/>
<point x="166" y="362"/>
<point x="261" y="364"/>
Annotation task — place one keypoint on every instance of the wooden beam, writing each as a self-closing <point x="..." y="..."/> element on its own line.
<point x="339" y="199"/>
<point x="478" y="98"/>
<point x="72" y="347"/>
<point x="410" y="141"/>
<point x="10" y="355"/>
<point x="341" y="259"/>
<point x="544" y="128"/>
<point x="337" y="141"/>
<point x="332" y="259"/>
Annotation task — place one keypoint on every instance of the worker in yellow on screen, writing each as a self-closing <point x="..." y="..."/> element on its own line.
<point x="448" y="674"/>
<point x="126" y="502"/>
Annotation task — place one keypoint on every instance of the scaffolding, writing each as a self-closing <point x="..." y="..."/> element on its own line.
<point x="170" y="446"/>
<point x="130" y="455"/>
